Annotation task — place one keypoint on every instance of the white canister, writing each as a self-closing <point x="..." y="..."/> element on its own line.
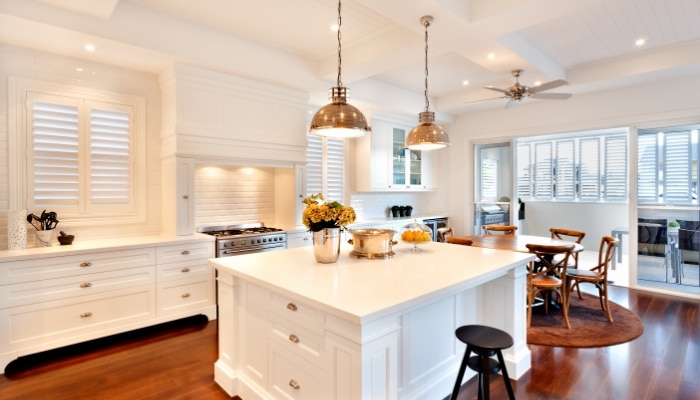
<point x="44" y="238"/>
<point x="17" y="229"/>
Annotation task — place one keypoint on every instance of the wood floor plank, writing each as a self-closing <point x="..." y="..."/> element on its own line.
<point x="176" y="361"/>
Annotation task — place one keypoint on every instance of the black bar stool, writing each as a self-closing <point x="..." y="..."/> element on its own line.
<point x="484" y="342"/>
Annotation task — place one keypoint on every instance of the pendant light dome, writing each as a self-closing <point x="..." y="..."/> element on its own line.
<point x="339" y="119"/>
<point x="427" y="135"/>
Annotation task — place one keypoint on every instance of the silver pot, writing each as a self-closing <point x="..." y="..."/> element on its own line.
<point x="372" y="243"/>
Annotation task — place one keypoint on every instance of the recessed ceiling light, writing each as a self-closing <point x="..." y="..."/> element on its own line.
<point x="491" y="56"/>
<point x="640" y="42"/>
<point x="465" y="82"/>
<point x="537" y="83"/>
<point x="90" y="47"/>
<point x="78" y="69"/>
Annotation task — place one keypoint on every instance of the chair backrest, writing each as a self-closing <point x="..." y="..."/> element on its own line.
<point x="444" y="233"/>
<point x="548" y="262"/>
<point x="569" y="235"/>
<point x="459" y="240"/>
<point x="502" y="229"/>
<point x="606" y="252"/>
<point x="689" y="239"/>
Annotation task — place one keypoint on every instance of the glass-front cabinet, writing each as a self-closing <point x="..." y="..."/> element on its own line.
<point x="406" y="164"/>
<point x="383" y="164"/>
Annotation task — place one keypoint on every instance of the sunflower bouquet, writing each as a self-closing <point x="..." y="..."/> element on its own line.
<point x="319" y="215"/>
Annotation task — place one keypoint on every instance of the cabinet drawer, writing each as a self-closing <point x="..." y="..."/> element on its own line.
<point x="184" y="270"/>
<point x="59" y="321"/>
<point x="60" y="267"/>
<point x="185" y="252"/>
<point x="297" y="312"/>
<point x="299" y="239"/>
<point x="294" y="378"/>
<point x="297" y="339"/>
<point x="81" y="285"/>
<point x="185" y="295"/>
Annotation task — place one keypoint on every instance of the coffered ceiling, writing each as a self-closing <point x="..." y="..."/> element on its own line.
<point x="589" y="43"/>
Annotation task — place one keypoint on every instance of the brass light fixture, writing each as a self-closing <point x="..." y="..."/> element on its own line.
<point x="427" y="135"/>
<point x="339" y="119"/>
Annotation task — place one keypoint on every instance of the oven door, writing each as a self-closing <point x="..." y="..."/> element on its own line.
<point x="251" y="250"/>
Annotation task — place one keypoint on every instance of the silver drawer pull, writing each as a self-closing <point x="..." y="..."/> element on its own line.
<point x="291" y="307"/>
<point x="294" y="338"/>
<point x="185" y="295"/>
<point x="185" y="270"/>
<point x="86" y="314"/>
<point x="294" y="384"/>
<point x="185" y="252"/>
<point x="85" y="285"/>
<point x="86" y="264"/>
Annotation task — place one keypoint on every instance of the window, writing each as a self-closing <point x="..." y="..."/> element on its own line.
<point x="82" y="152"/>
<point x="325" y="167"/>
<point x="584" y="166"/>
<point x="668" y="165"/>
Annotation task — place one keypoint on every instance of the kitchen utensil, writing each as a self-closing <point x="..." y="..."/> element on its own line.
<point x="372" y="243"/>
<point x="30" y="219"/>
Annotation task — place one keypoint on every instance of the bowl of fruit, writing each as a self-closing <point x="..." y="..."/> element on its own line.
<point x="416" y="234"/>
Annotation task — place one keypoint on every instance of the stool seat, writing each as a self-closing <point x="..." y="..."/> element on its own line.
<point x="484" y="342"/>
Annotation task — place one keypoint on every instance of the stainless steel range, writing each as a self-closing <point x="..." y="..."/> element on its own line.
<point x="233" y="240"/>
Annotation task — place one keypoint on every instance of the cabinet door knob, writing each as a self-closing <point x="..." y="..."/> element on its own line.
<point x="185" y="252"/>
<point x="85" y="285"/>
<point x="294" y="384"/>
<point x="85" y="264"/>
<point x="185" y="270"/>
<point x="86" y="314"/>
<point x="294" y="338"/>
<point x="185" y="295"/>
<point x="291" y="307"/>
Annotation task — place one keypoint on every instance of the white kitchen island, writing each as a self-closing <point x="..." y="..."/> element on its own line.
<point x="290" y="328"/>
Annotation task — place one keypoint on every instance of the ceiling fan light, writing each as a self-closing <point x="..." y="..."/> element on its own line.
<point x="427" y="135"/>
<point x="339" y="119"/>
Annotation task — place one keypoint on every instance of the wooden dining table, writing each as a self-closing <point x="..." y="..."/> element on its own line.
<point x="517" y="242"/>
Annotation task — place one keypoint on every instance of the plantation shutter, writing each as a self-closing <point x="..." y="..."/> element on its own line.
<point x="110" y="161"/>
<point x="590" y="169"/>
<point x="616" y="168"/>
<point x="54" y="153"/>
<point x="334" y="163"/>
<point x="647" y="169"/>
<point x="314" y="165"/>
<point x="543" y="171"/>
<point x="677" y="167"/>
<point x="524" y="164"/>
<point x="565" y="189"/>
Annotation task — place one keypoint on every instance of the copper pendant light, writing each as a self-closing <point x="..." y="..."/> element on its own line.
<point x="339" y="119"/>
<point x="427" y="135"/>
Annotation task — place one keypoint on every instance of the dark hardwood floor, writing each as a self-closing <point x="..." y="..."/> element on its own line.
<point x="175" y="361"/>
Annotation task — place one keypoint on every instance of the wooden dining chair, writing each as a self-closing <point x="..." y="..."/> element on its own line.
<point x="459" y="240"/>
<point x="597" y="275"/>
<point x="444" y="233"/>
<point x="549" y="277"/>
<point x="568" y="235"/>
<point x="499" y="229"/>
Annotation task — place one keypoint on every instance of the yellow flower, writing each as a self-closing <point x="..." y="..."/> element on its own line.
<point x="319" y="215"/>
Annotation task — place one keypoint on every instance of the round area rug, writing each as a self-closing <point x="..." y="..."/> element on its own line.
<point x="589" y="325"/>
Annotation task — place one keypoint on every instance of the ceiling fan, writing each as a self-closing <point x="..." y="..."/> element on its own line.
<point x="518" y="92"/>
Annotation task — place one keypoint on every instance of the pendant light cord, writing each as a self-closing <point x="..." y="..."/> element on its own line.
<point x="426" y="23"/>
<point x="340" y="60"/>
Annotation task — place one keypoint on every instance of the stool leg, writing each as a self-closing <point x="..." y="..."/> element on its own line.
<point x="484" y="389"/>
<point x="460" y="374"/>
<point x="504" y="371"/>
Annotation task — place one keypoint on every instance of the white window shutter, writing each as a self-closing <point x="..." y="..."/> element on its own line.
<point x="543" y="171"/>
<point x="524" y="171"/>
<point x="589" y="169"/>
<point x="314" y="165"/>
<point x="615" y="168"/>
<point x="647" y="170"/>
<point x="565" y="163"/>
<point x="677" y="167"/>
<point x="335" y="169"/>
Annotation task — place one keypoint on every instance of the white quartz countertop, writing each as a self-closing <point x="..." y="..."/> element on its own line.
<point x="81" y="246"/>
<point x="361" y="290"/>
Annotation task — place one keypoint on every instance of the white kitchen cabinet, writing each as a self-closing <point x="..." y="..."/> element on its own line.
<point x="299" y="239"/>
<point x="185" y="196"/>
<point x="52" y="301"/>
<point x="382" y="164"/>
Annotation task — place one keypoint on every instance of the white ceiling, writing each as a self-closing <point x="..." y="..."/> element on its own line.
<point x="589" y="43"/>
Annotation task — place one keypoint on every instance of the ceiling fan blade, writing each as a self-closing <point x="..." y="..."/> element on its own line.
<point x="548" y="85"/>
<point x="483" y="100"/>
<point x="510" y="104"/>
<point x="497" y="89"/>
<point x="551" y="96"/>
